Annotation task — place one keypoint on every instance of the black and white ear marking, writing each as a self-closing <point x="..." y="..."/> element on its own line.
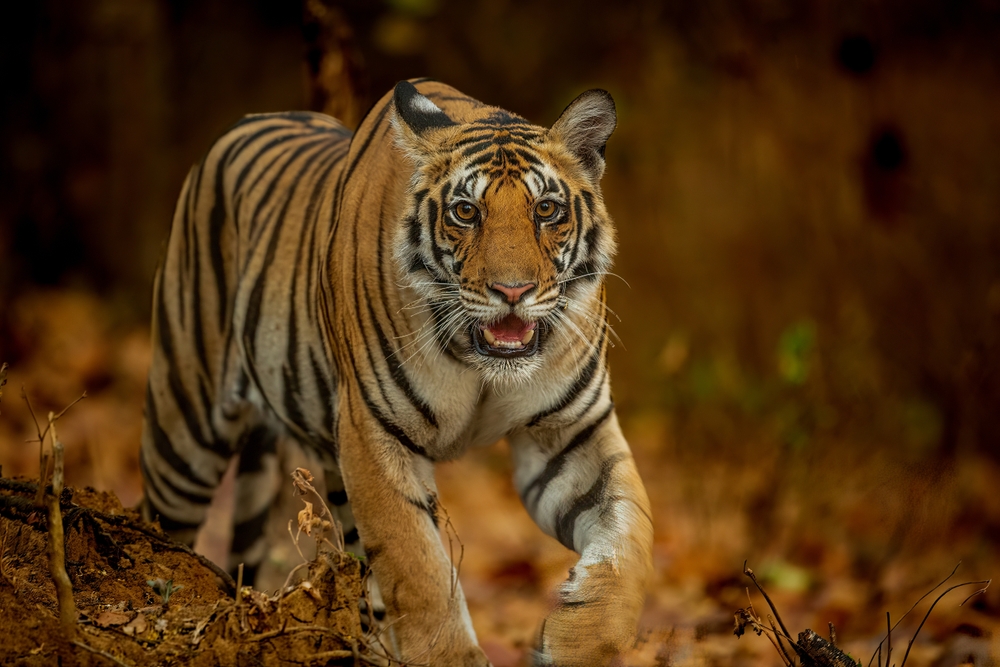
<point x="584" y="128"/>
<point x="416" y="111"/>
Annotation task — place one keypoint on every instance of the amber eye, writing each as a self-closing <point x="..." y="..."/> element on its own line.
<point x="465" y="211"/>
<point x="546" y="209"/>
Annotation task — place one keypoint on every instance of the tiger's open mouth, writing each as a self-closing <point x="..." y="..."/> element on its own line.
<point x="506" y="338"/>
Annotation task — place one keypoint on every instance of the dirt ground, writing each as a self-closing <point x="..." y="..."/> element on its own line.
<point x="133" y="609"/>
<point x="838" y="535"/>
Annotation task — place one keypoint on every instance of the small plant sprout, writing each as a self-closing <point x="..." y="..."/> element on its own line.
<point x="164" y="588"/>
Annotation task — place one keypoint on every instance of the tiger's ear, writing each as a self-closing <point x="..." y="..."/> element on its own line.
<point x="414" y="119"/>
<point x="584" y="128"/>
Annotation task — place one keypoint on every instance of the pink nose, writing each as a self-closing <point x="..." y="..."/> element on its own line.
<point x="512" y="292"/>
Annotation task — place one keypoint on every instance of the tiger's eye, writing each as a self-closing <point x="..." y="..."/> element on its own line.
<point x="465" y="211"/>
<point x="546" y="209"/>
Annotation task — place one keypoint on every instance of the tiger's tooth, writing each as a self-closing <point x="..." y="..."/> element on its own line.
<point x="527" y="337"/>
<point x="490" y="338"/>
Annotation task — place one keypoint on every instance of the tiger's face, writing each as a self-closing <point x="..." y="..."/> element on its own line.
<point x="505" y="236"/>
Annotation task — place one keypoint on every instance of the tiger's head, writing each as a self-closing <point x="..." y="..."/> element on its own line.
<point x="504" y="237"/>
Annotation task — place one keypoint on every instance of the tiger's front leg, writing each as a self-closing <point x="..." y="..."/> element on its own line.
<point x="393" y="496"/>
<point x="581" y="486"/>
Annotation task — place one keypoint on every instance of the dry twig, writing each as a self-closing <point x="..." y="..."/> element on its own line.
<point x="57" y="546"/>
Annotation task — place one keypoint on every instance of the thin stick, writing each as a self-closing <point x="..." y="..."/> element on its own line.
<point x="747" y="571"/>
<point x="784" y="654"/>
<point x="41" y="436"/>
<point x="938" y="599"/>
<point x="43" y="459"/>
<point x="43" y="462"/>
<point x="888" y="642"/>
<point x="57" y="547"/>
<point x="101" y="653"/>
<point x="975" y="593"/>
<point x="913" y="606"/>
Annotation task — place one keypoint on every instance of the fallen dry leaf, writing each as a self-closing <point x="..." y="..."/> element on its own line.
<point x="137" y="626"/>
<point x="107" y="618"/>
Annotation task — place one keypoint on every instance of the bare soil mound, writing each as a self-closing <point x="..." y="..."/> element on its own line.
<point x="145" y="600"/>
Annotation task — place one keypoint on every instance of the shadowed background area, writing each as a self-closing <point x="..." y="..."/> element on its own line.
<point x="808" y="284"/>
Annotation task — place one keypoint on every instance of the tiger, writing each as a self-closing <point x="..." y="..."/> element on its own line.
<point x="389" y="299"/>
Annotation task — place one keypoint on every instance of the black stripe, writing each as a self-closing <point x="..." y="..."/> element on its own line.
<point x="185" y="261"/>
<point x="289" y="134"/>
<point x="376" y="125"/>
<point x="177" y="390"/>
<point x="440" y="97"/>
<point x="361" y="295"/>
<point x="216" y="221"/>
<point x="325" y="398"/>
<point x="217" y="445"/>
<point x="558" y="462"/>
<point x="398" y="373"/>
<point x="429" y="506"/>
<point x="195" y="292"/>
<point x="413" y="229"/>
<point x="161" y="443"/>
<point x="474" y="134"/>
<point x="527" y="156"/>
<point x="588" y="265"/>
<point x="258" y="152"/>
<point x="596" y="395"/>
<point x="272" y="186"/>
<point x="432" y="213"/>
<point x="307" y="220"/>
<point x="478" y="148"/>
<point x="436" y="250"/>
<point x="338" y="498"/>
<point x="566" y="523"/>
<point x="581" y="383"/>
<point x="292" y="394"/>
<point x="419" y="197"/>
<point x="336" y="153"/>
<point x="255" y="227"/>
<point x="387" y="425"/>
<point x="391" y="427"/>
<point x="384" y="265"/>
<point x="578" y="212"/>
<point x="255" y="446"/>
<point x="246" y="533"/>
<point x="256" y="294"/>
<point x="351" y="536"/>
<point x="217" y="217"/>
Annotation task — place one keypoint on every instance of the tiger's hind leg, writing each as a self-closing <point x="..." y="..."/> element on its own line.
<point x="257" y="479"/>
<point x="180" y="473"/>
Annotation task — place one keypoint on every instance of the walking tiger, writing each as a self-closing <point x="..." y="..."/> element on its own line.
<point x="390" y="298"/>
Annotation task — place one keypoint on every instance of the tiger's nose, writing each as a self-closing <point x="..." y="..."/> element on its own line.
<point x="512" y="292"/>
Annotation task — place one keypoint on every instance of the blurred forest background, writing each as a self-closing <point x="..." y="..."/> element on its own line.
<point x="808" y="201"/>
